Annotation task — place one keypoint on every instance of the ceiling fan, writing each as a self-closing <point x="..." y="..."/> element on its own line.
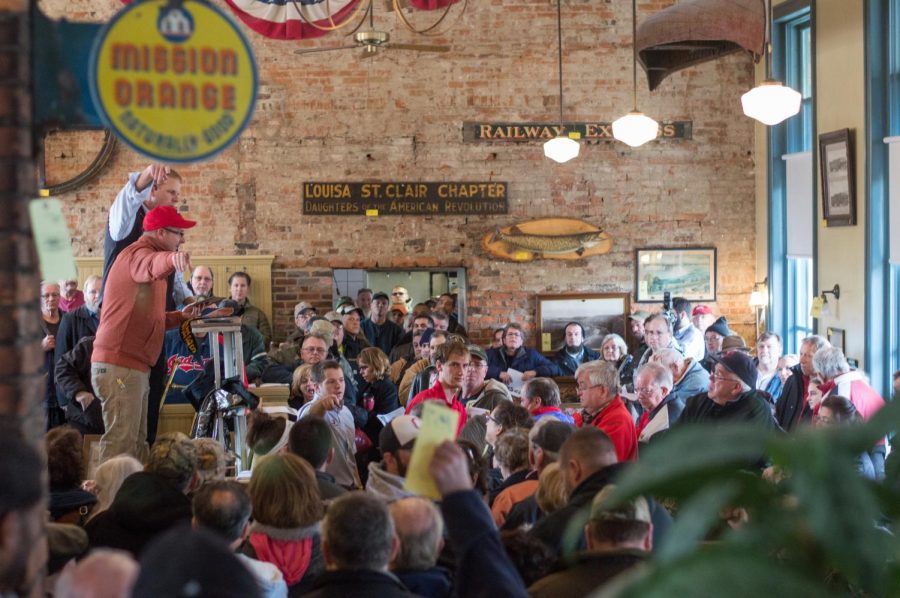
<point x="373" y="41"/>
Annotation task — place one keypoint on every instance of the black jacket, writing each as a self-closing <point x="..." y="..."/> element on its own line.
<point x="433" y="583"/>
<point x="74" y="326"/>
<point x="383" y="394"/>
<point x="750" y="406"/>
<point x="358" y="583"/>
<point x="589" y="571"/>
<point x="792" y="409"/>
<point x="146" y="505"/>
<point x="73" y="375"/>
<point x="567" y="364"/>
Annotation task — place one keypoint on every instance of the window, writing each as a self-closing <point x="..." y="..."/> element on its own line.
<point x="792" y="267"/>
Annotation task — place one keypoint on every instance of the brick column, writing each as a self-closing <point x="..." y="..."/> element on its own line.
<point x="21" y="358"/>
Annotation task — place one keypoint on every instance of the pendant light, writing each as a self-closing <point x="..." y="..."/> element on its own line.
<point x="635" y="128"/>
<point x="770" y="102"/>
<point x="561" y="148"/>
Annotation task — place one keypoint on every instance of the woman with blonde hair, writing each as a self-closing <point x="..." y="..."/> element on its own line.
<point x="108" y="479"/>
<point x="302" y="387"/>
<point x="287" y="510"/>
<point x="377" y="394"/>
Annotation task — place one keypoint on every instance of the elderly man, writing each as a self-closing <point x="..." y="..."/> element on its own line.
<point x="688" y="336"/>
<point x="354" y="338"/>
<point x="574" y="353"/>
<point x="70" y="297"/>
<point x="658" y="335"/>
<point x="652" y="385"/>
<point x="448" y="386"/>
<point x="396" y="440"/>
<point x="702" y="317"/>
<point x="202" y="282"/>
<point x="514" y="355"/>
<point x="597" y="383"/>
<point x="688" y="378"/>
<point x="541" y="397"/>
<point x="793" y="407"/>
<point x="130" y="336"/>
<point x="82" y="321"/>
<point x="732" y="395"/>
<point x="768" y="352"/>
<point x="618" y="539"/>
<point x="420" y="530"/>
<point x="384" y="334"/>
<point x="239" y="285"/>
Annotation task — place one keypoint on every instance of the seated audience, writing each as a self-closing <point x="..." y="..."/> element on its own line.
<point x="768" y="352"/>
<point x="614" y="350"/>
<point x="377" y="393"/>
<point x="302" y="387"/>
<point x="540" y="396"/>
<point x="186" y="562"/>
<point x="73" y="383"/>
<point x="286" y="514"/>
<point x="451" y="368"/>
<point x="223" y="509"/>
<point x="598" y="391"/>
<point x="420" y="531"/>
<point x="793" y="408"/>
<point x="328" y="376"/>
<point x="732" y="395"/>
<point x="479" y="396"/>
<point x="211" y="460"/>
<point x="109" y="478"/>
<point x="836" y="410"/>
<point x="358" y="542"/>
<point x="251" y="316"/>
<point x="574" y="353"/>
<point x="288" y="350"/>
<point x="551" y="494"/>
<point x="65" y="464"/>
<point x="714" y="336"/>
<point x="505" y="417"/>
<point x="511" y="458"/>
<point x="514" y="355"/>
<point x="312" y="440"/>
<point x="617" y="539"/>
<point x="104" y="573"/>
<point x="658" y="335"/>
<point x="152" y="501"/>
<point x="688" y="376"/>
<point x="520" y="504"/>
<point x="497" y="339"/>
<point x="266" y="434"/>
<point x="652" y="384"/>
<point x="386" y="479"/>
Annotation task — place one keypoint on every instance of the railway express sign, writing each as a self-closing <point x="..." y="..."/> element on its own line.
<point x="174" y="80"/>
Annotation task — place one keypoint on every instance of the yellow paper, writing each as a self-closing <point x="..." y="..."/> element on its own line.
<point x="438" y="424"/>
<point x="51" y="238"/>
<point x="545" y="342"/>
<point x="815" y="310"/>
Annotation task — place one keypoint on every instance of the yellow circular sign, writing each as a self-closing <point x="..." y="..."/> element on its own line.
<point x="175" y="80"/>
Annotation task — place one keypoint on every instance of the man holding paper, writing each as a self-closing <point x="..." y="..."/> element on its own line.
<point x="446" y="389"/>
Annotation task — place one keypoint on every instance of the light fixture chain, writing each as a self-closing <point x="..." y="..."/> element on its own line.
<point x="634" y="55"/>
<point x="559" y="45"/>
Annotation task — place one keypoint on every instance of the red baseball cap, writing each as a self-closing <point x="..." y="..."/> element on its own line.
<point x="701" y="310"/>
<point x="164" y="217"/>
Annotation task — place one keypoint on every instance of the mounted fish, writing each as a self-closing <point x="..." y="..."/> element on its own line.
<point x="546" y="238"/>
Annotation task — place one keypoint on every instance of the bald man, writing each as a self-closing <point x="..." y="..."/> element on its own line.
<point x="420" y="529"/>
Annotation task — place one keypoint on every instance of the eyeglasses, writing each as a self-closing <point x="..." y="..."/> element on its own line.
<point x="318" y="350"/>
<point x="491" y="418"/>
<point x="721" y="378"/>
<point x="180" y="233"/>
<point x="644" y="390"/>
<point x="822" y="419"/>
<point x="580" y="388"/>
<point x="49" y="295"/>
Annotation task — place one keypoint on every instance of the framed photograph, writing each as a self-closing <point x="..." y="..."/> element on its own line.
<point x="836" y="336"/>
<point x="688" y="272"/>
<point x="598" y="313"/>
<point x="838" y="182"/>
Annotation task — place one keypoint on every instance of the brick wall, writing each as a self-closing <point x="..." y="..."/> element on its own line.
<point x="399" y="117"/>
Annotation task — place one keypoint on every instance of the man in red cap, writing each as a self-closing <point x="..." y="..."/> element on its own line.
<point x="130" y="336"/>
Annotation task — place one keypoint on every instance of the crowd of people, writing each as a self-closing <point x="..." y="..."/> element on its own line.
<point x="540" y="442"/>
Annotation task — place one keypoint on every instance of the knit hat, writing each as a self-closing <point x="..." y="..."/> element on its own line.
<point x="401" y="433"/>
<point x="720" y="326"/>
<point x="426" y="336"/>
<point x="740" y="364"/>
<point x="165" y="216"/>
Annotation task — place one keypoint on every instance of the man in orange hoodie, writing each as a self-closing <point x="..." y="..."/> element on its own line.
<point x="130" y="336"/>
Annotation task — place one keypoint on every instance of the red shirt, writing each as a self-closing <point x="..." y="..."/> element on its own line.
<point x="615" y="421"/>
<point x="436" y="393"/>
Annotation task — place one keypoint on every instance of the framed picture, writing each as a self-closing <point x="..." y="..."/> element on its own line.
<point x="836" y="338"/>
<point x="598" y="313"/>
<point x="688" y="272"/>
<point x="838" y="182"/>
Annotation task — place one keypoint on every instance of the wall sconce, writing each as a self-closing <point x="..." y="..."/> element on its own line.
<point x="836" y="291"/>
<point x="759" y="300"/>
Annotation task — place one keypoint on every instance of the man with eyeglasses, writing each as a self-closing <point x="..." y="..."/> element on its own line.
<point x="400" y="295"/>
<point x="652" y="384"/>
<point x="732" y="395"/>
<point x="597" y="383"/>
<point x="479" y="395"/>
<point x="451" y="373"/>
<point x="658" y="335"/>
<point x="130" y="336"/>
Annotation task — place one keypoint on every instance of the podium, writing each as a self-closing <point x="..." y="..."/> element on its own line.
<point x="227" y="350"/>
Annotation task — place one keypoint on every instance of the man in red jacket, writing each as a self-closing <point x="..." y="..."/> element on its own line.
<point x="451" y="365"/>
<point x="598" y="390"/>
<point x="130" y="336"/>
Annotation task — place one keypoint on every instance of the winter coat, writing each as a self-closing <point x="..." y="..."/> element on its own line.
<point x="525" y="359"/>
<point x="567" y="364"/>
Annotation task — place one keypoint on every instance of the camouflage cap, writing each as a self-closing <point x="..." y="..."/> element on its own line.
<point x="174" y="457"/>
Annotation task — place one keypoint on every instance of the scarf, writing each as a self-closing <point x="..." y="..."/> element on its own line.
<point x="292" y="557"/>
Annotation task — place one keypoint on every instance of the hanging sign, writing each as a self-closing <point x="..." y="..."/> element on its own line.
<point x="591" y="132"/>
<point x="175" y="79"/>
<point x="404" y="198"/>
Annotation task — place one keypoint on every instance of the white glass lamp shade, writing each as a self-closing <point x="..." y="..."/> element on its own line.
<point x="770" y="102"/>
<point x="635" y="128"/>
<point x="561" y="149"/>
<point x="758" y="299"/>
